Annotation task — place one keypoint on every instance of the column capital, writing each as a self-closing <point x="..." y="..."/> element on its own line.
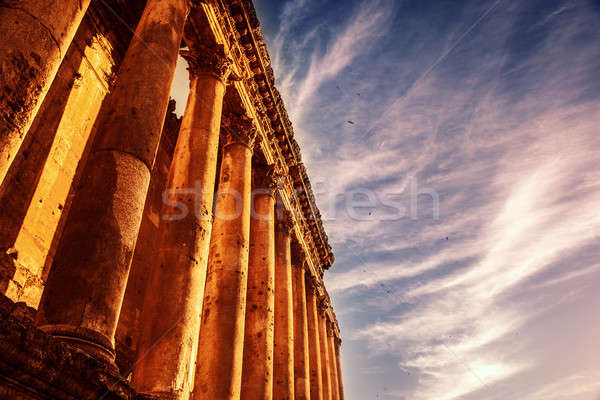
<point x="239" y="129"/>
<point x="266" y="179"/>
<point x="211" y="60"/>
<point x="301" y="262"/>
<point x="323" y="304"/>
<point x="285" y="223"/>
<point x="331" y="329"/>
<point x="314" y="283"/>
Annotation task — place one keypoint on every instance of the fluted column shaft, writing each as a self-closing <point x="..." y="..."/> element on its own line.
<point x="325" y="374"/>
<point x="83" y="295"/>
<point x="338" y="343"/>
<point x="335" y="395"/>
<point x="257" y="371"/>
<point x="301" y="356"/>
<point x="283" y="370"/>
<point x="35" y="37"/>
<point x="173" y="303"/>
<point x="314" y="346"/>
<point x="220" y="355"/>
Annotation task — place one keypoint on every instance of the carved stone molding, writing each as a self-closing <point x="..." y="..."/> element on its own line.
<point x="238" y="129"/>
<point x="211" y="60"/>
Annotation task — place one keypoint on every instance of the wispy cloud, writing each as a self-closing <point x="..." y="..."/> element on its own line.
<point x="585" y="384"/>
<point x="370" y="21"/>
<point x="456" y="317"/>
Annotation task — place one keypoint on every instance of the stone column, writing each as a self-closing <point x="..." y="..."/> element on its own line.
<point x="325" y="375"/>
<point x="333" y="363"/>
<point x="173" y="301"/>
<point x="220" y="355"/>
<point x="283" y="370"/>
<point x="338" y="343"/>
<point x="257" y="371"/>
<point x="84" y="292"/>
<point x="35" y="37"/>
<point x="301" y="356"/>
<point x="314" y="347"/>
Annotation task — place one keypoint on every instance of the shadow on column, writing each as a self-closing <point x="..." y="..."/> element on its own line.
<point x="146" y="249"/>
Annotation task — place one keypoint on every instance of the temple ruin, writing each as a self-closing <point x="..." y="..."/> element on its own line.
<point x="142" y="255"/>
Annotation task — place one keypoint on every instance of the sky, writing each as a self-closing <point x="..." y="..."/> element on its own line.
<point x="454" y="149"/>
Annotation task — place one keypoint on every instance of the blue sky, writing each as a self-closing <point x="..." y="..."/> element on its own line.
<point x="468" y="132"/>
<point x="494" y="107"/>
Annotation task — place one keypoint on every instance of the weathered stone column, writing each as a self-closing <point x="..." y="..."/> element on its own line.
<point x="314" y="347"/>
<point x="338" y="343"/>
<point x="84" y="292"/>
<point x="173" y="302"/>
<point x="221" y="342"/>
<point x="301" y="356"/>
<point x="283" y="370"/>
<point x="257" y="372"/>
<point x="333" y="363"/>
<point x="35" y="37"/>
<point x="324" y="342"/>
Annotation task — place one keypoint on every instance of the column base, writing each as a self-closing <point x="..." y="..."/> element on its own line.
<point x="92" y="343"/>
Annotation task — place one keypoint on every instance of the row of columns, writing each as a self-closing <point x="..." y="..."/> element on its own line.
<point x="35" y="37"/>
<point x="305" y="348"/>
<point x="85" y="289"/>
<point x="171" y="322"/>
<point x="229" y="312"/>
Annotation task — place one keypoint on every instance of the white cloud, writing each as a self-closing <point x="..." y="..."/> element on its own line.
<point x="299" y="88"/>
<point x="354" y="40"/>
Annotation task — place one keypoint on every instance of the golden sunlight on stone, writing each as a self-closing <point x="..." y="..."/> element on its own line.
<point x="146" y="255"/>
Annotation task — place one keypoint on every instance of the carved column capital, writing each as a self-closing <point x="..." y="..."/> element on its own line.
<point x="330" y="328"/>
<point x="266" y="179"/>
<point x="238" y="129"/>
<point x="285" y="223"/>
<point x="301" y="262"/>
<point x="323" y="304"/>
<point x="314" y="284"/>
<point x="211" y="60"/>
